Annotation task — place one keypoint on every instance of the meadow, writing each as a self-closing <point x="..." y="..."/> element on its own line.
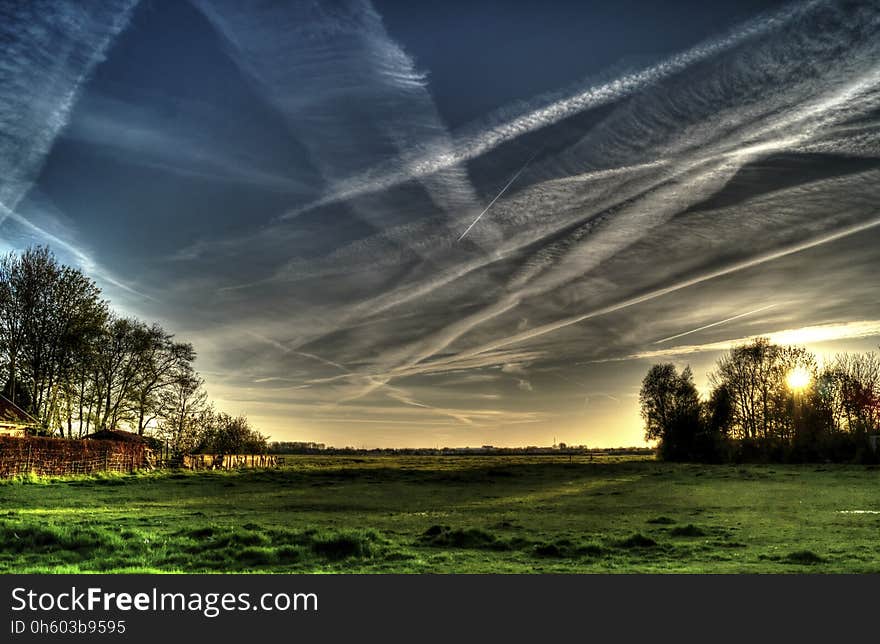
<point x="520" y="514"/>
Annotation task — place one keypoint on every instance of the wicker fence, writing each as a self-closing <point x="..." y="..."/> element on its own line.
<point x="59" y="456"/>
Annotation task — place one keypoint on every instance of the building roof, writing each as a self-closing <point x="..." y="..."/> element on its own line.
<point x="123" y="436"/>
<point x="116" y="435"/>
<point x="12" y="414"/>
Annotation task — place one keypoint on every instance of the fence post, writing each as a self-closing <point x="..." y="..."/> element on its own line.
<point x="27" y="463"/>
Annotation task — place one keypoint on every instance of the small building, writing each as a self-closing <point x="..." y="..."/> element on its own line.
<point x="14" y="421"/>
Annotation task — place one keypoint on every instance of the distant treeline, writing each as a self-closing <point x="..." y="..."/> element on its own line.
<point x="767" y="403"/>
<point x="311" y="448"/>
<point x="77" y="367"/>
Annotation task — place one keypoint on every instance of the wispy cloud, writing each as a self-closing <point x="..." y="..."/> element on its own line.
<point x="809" y="335"/>
<point x="70" y="251"/>
<point x="498" y="196"/>
<point x="512" y="123"/>
<point x="187" y="138"/>
<point x="49" y="49"/>
<point x="348" y="297"/>
<point x="347" y="91"/>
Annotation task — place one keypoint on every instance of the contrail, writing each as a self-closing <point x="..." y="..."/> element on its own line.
<point x="498" y="196"/>
<point x="477" y="139"/>
<point x="87" y="263"/>
<point x="49" y="51"/>
<point x="652" y="295"/>
<point x="709" y="326"/>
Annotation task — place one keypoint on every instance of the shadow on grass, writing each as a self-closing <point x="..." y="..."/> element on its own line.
<point x="204" y="548"/>
<point x="442" y="536"/>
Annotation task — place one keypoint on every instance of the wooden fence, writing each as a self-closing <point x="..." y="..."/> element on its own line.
<point x="227" y="461"/>
<point x="60" y="456"/>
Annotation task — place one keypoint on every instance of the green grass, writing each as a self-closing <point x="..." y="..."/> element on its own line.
<point x="455" y="514"/>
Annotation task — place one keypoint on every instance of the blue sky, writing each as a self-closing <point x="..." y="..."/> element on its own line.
<point x="456" y="223"/>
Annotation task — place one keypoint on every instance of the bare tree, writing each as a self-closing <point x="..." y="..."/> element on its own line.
<point x="754" y="377"/>
<point x="11" y="324"/>
<point x="161" y="360"/>
<point x="850" y="386"/>
<point x="183" y="409"/>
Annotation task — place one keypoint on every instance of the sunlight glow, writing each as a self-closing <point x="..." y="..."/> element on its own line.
<point x="798" y="379"/>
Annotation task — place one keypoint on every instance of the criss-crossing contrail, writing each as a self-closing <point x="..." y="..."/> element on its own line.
<point x="719" y="322"/>
<point x="498" y="196"/>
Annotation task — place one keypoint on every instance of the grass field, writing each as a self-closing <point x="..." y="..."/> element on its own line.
<point x="457" y="514"/>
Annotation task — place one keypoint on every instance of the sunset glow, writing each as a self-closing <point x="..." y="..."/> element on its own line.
<point x="379" y="225"/>
<point x="798" y="379"/>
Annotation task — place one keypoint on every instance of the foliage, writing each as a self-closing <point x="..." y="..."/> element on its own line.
<point x="755" y="413"/>
<point x="754" y="377"/>
<point x="675" y="417"/>
<point x="224" y="434"/>
<point x="77" y="367"/>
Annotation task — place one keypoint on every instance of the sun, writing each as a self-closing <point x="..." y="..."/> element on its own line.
<point x="798" y="379"/>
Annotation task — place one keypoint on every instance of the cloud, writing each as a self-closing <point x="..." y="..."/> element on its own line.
<point x="512" y="123"/>
<point x="49" y="49"/>
<point x="346" y="90"/>
<point x="711" y="325"/>
<point x="188" y="138"/>
<point x="624" y="215"/>
<point x="700" y="154"/>
<point x="23" y="230"/>
<point x="513" y="368"/>
<point x="666" y="214"/>
<point x="808" y="335"/>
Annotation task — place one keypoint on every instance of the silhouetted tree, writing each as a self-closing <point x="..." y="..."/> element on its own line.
<point x="754" y="377"/>
<point x="850" y="387"/>
<point x="670" y="406"/>
<point x="718" y="411"/>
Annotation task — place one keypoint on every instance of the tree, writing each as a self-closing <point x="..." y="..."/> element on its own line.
<point x="160" y="358"/>
<point x="117" y="366"/>
<point x="11" y="326"/>
<point x="226" y="434"/>
<point x="47" y="311"/>
<point x="184" y="410"/>
<point x="670" y="406"/>
<point x="850" y="387"/>
<point x="65" y="356"/>
<point x="718" y="411"/>
<point x="754" y="378"/>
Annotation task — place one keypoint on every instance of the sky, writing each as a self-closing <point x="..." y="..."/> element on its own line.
<point x="459" y="223"/>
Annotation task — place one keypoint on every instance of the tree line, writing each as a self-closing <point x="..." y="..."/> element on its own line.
<point x="76" y="367"/>
<point x="767" y="402"/>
